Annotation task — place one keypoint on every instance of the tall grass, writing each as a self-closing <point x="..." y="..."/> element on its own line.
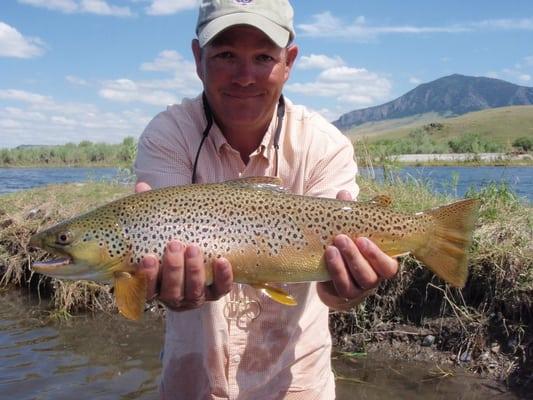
<point x="81" y="154"/>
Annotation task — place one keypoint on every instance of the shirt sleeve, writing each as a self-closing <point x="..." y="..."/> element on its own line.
<point x="333" y="166"/>
<point x="162" y="154"/>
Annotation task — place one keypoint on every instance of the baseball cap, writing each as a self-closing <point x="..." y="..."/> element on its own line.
<point x="273" y="17"/>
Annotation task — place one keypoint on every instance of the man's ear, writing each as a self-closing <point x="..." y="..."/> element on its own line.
<point x="292" y="53"/>
<point x="197" y="53"/>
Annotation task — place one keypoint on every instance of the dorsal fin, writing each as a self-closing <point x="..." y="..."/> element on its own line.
<point x="260" y="182"/>
<point x="382" y="200"/>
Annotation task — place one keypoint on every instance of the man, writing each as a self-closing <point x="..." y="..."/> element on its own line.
<point x="226" y="341"/>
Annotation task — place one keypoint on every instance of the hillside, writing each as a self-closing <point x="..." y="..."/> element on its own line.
<point x="501" y="125"/>
<point x="448" y="96"/>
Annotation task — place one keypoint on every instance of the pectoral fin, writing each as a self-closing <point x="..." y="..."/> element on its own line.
<point x="275" y="294"/>
<point x="130" y="292"/>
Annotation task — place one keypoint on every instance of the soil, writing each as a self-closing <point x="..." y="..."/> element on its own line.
<point x="442" y="342"/>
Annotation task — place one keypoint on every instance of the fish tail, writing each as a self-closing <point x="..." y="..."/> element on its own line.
<point x="445" y="252"/>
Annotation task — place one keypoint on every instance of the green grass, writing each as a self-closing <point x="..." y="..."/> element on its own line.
<point x="501" y="125"/>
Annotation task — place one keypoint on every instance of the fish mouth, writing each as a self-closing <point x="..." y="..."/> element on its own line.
<point x="50" y="265"/>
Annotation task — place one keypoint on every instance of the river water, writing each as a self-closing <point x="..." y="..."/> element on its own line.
<point x="448" y="180"/>
<point x="106" y="357"/>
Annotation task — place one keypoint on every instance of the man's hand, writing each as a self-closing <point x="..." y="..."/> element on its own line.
<point x="356" y="268"/>
<point x="179" y="280"/>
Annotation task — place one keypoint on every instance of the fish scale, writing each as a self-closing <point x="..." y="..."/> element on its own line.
<point x="267" y="234"/>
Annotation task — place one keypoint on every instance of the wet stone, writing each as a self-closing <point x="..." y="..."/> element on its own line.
<point x="428" y="341"/>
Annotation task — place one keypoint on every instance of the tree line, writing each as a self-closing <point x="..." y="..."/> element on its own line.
<point x="85" y="153"/>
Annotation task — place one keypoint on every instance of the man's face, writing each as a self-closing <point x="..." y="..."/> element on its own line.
<point x="243" y="73"/>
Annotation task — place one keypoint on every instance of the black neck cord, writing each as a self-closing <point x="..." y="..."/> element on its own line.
<point x="209" y="118"/>
<point x="281" y="114"/>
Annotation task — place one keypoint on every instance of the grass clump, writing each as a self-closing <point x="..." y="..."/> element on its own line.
<point x="26" y="212"/>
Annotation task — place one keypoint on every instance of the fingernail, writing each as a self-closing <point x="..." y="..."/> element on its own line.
<point x="331" y="253"/>
<point x="174" y="246"/>
<point x="149" y="262"/>
<point x="341" y="242"/>
<point x="192" y="251"/>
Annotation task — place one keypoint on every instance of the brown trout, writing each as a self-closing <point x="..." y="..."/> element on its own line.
<point x="268" y="236"/>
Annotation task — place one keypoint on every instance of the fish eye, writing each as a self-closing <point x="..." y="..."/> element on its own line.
<point x="64" y="238"/>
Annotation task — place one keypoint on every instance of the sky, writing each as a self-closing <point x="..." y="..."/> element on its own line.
<point x="99" y="70"/>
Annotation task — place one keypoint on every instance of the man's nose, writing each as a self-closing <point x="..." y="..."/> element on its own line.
<point x="245" y="73"/>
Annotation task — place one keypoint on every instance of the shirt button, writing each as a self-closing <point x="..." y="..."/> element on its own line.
<point x="236" y="358"/>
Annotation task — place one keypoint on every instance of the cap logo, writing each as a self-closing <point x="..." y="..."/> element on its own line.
<point x="243" y="2"/>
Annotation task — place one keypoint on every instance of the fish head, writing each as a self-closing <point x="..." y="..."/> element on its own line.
<point x="87" y="248"/>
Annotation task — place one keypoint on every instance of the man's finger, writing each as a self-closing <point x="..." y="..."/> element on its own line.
<point x="172" y="272"/>
<point x="386" y="267"/>
<point x="339" y="274"/>
<point x="142" y="187"/>
<point x="359" y="267"/>
<point x="194" y="276"/>
<point x="149" y="267"/>
<point x="344" y="195"/>
<point x="222" y="280"/>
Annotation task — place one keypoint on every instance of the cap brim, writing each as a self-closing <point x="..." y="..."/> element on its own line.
<point x="279" y="35"/>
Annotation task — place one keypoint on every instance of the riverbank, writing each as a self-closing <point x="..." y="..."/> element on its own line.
<point x="464" y="158"/>
<point x="446" y="159"/>
<point x="487" y="327"/>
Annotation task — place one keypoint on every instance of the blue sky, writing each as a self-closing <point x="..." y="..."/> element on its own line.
<point x="99" y="70"/>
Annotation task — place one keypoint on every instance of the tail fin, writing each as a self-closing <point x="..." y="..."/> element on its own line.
<point x="446" y="252"/>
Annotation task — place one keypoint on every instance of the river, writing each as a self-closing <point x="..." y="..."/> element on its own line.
<point x="449" y="180"/>
<point x="106" y="357"/>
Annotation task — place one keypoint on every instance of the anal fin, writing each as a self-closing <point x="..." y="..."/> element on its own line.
<point x="276" y="294"/>
<point x="130" y="294"/>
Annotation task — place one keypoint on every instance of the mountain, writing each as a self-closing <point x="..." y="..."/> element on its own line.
<point x="448" y="96"/>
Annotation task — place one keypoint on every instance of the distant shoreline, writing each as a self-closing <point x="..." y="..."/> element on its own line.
<point x="463" y="157"/>
<point x="443" y="159"/>
<point x="453" y="159"/>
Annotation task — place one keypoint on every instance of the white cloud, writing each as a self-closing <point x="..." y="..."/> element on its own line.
<point x="101" y="7"/>
<point x="167" y="7"/>
<point x="353" y="87"/>
<point x="127" y="91"/>
<point x="98" y="7"/>
<point x="528" y="60"/>
<point x="414" y="80"/>
<point x="41" y="119"/>
<point x="520" y="73"/>
<point x="505" y="24"/>
<point x="24" y="96"/>
<point x="328" y="114"/>
<point x="182" y="83"/>
<point x="327" y="25"/>
<point x="14" y="44"/>
<point x="167" y="60"/>
<point x="74" y="80"/>
<point x="319" y="61"/>
<point x="66" y="6"/>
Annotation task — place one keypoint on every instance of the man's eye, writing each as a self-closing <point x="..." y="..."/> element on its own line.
<point x="265" y="58"/>
<point x="225" y="55"/>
